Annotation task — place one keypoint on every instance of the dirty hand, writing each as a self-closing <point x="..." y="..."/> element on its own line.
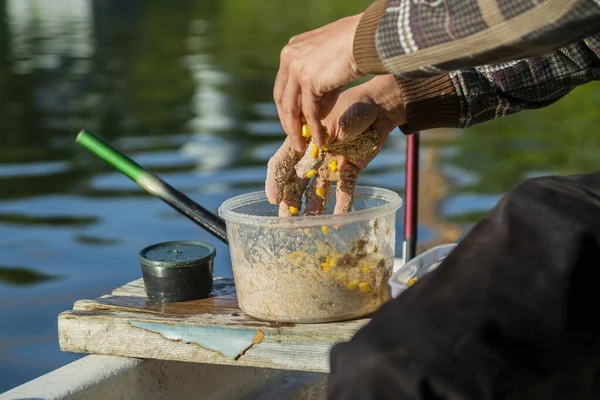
<point x="359" y="124"/>
<point x="314" y="67"/>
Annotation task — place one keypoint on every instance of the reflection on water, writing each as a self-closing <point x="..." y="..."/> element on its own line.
<point x="22" y="276"/>
<point x="185" y="88"/>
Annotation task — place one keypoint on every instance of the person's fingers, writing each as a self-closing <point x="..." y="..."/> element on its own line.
<point x="280" y="82"/>
<point x="310" y="109"/>
<point x="282" y="77"/>
<point x="327" y="102"/>
<point x="344" y="193"/>
<point x="350" y="117"/>
<point x="290" y="111"/>
<point x="310" y="162"/>
<point x="361" y="150"/>
<point x="292" y="196"/>
<point x="316" y="195"/>
<point x="279" y="168"/>
<point x="383" y="126"/>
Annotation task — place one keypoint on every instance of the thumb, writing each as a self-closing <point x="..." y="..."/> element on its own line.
<point x="327" y="102"/>
<point x="349" y="118"/>
<point x="383" y="126"/>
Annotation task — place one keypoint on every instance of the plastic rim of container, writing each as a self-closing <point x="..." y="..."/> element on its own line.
<point x="393" y="203"/>
<point x="210" y="252"/>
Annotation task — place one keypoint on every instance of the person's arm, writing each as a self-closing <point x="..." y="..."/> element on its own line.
<point x="429" y="37"/>
<point x="471" y="96"/>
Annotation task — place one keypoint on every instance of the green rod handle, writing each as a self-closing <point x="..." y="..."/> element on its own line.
<point x="111" y="155"/>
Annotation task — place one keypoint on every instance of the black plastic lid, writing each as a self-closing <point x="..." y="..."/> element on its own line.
<point x="176" y="254"/>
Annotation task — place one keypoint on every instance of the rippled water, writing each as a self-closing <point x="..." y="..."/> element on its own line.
<point x="185" y="89"/>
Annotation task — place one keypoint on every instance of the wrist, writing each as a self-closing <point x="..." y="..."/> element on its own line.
<point x="387" y="95"/>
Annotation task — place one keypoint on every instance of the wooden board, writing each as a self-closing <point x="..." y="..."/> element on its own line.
<point x="214" y="330"/>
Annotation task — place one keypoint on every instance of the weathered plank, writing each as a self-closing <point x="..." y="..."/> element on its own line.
<point x="213" y="330"/>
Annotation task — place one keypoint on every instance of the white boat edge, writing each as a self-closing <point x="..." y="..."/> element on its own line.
<point x="108" y="377"/>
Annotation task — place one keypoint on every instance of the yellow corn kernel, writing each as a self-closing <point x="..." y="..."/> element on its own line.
<point x="326" y="267"/>
<point x="364" y="287"/>
<point x="325" y="229"/>
<point x="332" y="261"/>
<point x="413" y="281"/>
<point x="333" y="166"/>
<point x="325" y="148"/>
<point x="366" y="270"/>
<point x="352" y="284"/>
<point x="314" y="153"/>
<point x="311" y="173"/>
<point x="294" y="210"/>
<point x="305" y="131"/>
<point x="320" y="192"/>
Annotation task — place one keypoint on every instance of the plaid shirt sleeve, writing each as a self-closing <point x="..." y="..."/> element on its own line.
<point x="533" y="52"/>
<point x="494" y="91"/>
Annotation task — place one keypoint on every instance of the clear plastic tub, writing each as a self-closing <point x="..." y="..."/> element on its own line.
<point x="417" y="268"/>
<point x="292" y="269"/>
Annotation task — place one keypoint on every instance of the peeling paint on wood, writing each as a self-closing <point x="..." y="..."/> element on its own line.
<point x="213" y="330"/>
<point x="230" y="342"/>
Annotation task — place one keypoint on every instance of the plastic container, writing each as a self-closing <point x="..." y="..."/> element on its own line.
<point x="178" y="270"/>
<point x="312" y="269"/>
<point x="418" y="267"/>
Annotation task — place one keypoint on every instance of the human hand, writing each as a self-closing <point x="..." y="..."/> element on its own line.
<point x="359" y="125"/>
<point x="314" y="67"/>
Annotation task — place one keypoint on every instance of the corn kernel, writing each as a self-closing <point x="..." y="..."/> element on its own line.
<point x="333" y="166"/>
<point x="366" y="270"/>
<point x="320" y="192"/>
<point x="326" y="267"/>
<point x="314" y="153"/>
<point x="352" y="284"/>
<point x="325" y="229"/>
<point x="332" y="261"/>
<point x="364" y="287"/>
<point x="325" y="147"/>
<point x="413" y="281"/>
<point x="305" y="131"/>
<point x="294" y="210"/>
<point x="311" y="173"/>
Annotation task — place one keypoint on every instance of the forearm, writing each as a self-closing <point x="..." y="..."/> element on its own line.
<point x="471" y="96"/>
<point x="427" y="38"/>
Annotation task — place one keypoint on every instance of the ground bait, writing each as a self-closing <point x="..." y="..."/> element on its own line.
<point x="319" y="286"/>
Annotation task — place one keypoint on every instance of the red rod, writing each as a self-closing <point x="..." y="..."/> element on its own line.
<point x="412" y="197"/>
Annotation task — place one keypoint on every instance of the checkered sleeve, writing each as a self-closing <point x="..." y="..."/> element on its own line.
<point x="494" y="91"/>
<point x="471" y="96"/>
<point x="462" y="62"/>
<point x="423" y="38"/>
